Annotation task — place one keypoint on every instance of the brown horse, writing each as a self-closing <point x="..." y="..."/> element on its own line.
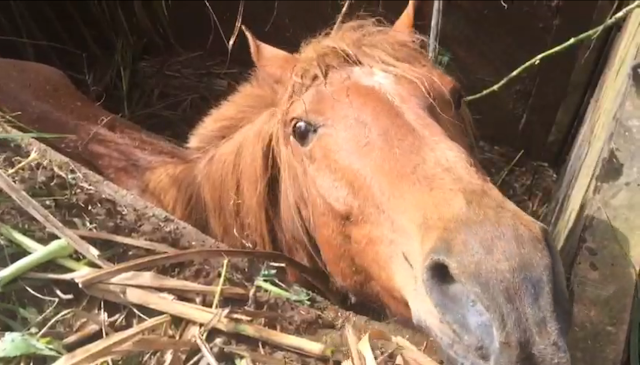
<point x="354" y="155"/>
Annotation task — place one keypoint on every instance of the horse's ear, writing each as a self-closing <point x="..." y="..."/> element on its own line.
<point x="268" y="59"/>
<point x="405" y="22"/>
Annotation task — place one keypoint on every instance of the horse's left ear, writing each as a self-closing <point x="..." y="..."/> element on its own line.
<point x="405" y="22"/>
<point x="272" y="61"/>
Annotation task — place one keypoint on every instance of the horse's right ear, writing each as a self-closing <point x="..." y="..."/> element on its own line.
<point x="405" y="22"/>
<point x="268" y="59"/>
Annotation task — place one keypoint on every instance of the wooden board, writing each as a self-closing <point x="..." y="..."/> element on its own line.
<point x="594" y="217"/>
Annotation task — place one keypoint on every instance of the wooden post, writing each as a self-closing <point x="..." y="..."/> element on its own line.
<point x="594" y="219"/>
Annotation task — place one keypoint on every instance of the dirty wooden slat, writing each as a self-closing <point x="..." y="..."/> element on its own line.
<point x="594" y="220"/>
<point x="576" y="180"/>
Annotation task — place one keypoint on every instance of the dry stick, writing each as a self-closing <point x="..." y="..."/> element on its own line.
<point x="340" y="19"/>
<point x="104" y="346"/>
<point x="534" y="61"/>
<point x="434" y="34"/>
<point x="44" y="217"/>
<point x="195" y="313"/>
<point x="352" y="341"/>
<point x="316" y="278"/>
<point x="148" y="343"/>
<point x="216" y="299"/>
<point x="206" y="351"/>
<point x="506" y="170"/>
<point x="149" y="245"/>
<point x="236" y="31"/>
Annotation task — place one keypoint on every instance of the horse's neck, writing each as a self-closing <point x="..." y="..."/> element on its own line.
<point x="173" y="186"/>
<point x="157" y="170"/>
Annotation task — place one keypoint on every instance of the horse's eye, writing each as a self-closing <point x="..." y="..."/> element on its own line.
<point x="303" y="131"/>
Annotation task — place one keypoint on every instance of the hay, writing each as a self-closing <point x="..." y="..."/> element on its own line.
<point x="527" y="183"/>
<point x="123" y="55"/>
<point x="104" y="47"/>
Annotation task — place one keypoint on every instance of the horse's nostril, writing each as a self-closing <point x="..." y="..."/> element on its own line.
<point x="438" y="272"/>
<point x="459" y="308"/>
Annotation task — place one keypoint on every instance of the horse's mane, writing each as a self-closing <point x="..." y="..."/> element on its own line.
<point x="241" y="183"/>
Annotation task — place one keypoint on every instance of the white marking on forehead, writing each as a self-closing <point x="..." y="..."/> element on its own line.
<point x="382" y="81"/>
<point x="374" y="77"/>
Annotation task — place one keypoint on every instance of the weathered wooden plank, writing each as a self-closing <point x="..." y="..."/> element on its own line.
<point x="576" y="181"/>
<point x="594" y="220"/>
<point x="604" y="274"/>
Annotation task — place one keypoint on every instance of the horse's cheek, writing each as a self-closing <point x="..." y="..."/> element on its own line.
<point x="334" y="245"/>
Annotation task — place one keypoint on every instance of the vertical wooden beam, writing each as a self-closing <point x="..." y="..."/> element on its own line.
<point x="594" y="217"/>
<point x="576" y="180"/>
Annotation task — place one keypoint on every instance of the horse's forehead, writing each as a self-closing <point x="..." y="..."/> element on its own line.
<point x="385" y="84"/>
<point x="394" y="88"/>
<point x="373" y="77"/>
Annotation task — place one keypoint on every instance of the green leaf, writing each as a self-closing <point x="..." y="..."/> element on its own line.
<point x="15" y="344"/>
<point x="29" y="313"/>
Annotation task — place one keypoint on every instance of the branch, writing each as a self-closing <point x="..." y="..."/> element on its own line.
<point x="536" y="60"/>
<point x="343" y="12"/>
<point x="434" y="34"/>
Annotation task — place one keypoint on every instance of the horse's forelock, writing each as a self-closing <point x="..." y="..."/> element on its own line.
<point x="250" y="187"/>
<point x="366" y="42"/>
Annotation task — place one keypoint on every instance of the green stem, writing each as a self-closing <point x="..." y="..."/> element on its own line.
<point x="32" y="246"/>
<point x="56" y="249"/>
<point x="273" y="289"/>
<point x="534" y="61"/>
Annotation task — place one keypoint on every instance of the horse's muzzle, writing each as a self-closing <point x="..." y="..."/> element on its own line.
<point x="499" y="313"/>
